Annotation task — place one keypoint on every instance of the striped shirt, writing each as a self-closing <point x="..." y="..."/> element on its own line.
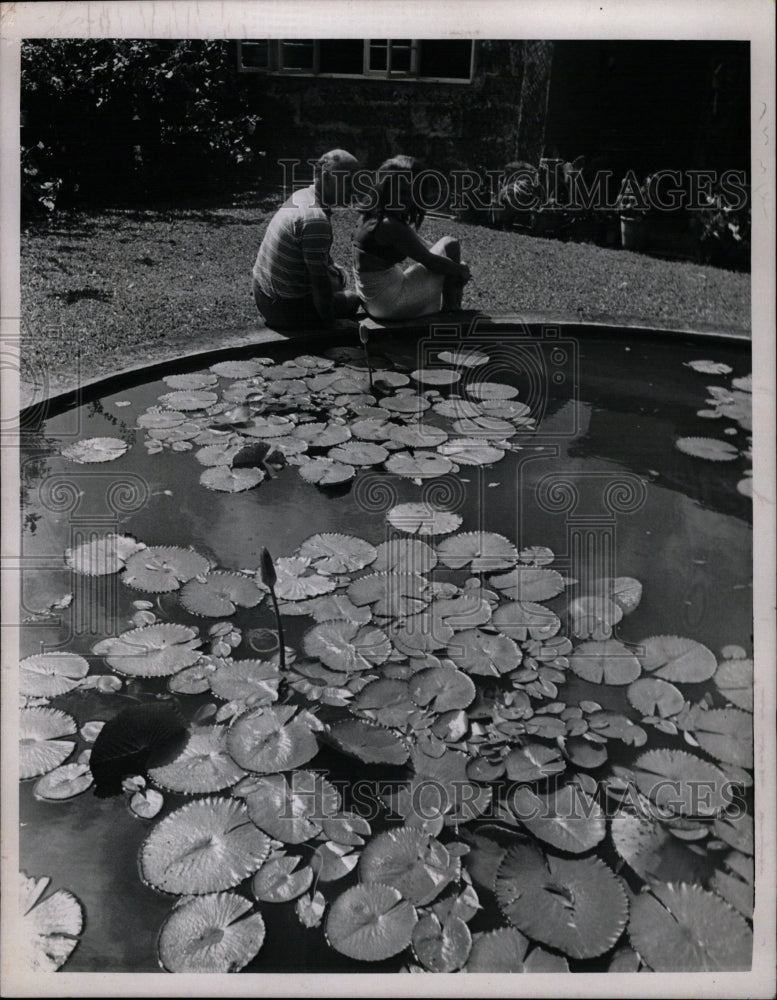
<point x="295" y="247"/>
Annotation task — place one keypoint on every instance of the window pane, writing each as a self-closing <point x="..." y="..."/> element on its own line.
<point x="379" y="53"/>
<point x="341" y="55"/>
<point x="255" y="55"/>
<point x="298" y="54"/>
<point x="448" y="59"/>
<point x="400" y="56"/>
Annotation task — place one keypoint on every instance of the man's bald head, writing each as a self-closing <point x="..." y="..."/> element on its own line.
<point x="333" y="176"/>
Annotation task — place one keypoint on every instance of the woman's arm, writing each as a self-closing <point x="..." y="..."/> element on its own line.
<point x="404" y="238"/>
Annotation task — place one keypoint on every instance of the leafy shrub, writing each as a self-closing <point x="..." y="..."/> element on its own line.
<point x="115" y="118"/>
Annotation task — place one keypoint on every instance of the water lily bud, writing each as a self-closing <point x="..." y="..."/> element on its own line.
<point x="364" y="334"/>
<point x="269" y="577"/>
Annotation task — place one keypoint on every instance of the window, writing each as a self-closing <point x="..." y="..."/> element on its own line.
<point x="441" y="60"/>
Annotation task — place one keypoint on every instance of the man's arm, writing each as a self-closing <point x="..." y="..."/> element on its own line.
<point x="316" y="240"/>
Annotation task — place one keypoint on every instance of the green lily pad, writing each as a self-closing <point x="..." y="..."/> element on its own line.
<point x="502" y="950"/>
<point x="529" y="583"/>
<point x="97" y="449"/>
<point x="219" y="594"/>
<point x="605" y="662"/>
<point x="296" y="581"/>
<point x="568" y="819"/>
<point x="203" y="766"/>
<point x="151" y="651"/>
<point x="709" y="448"/>
<point x="325" y="472"/>
<point x="387" y="701"/>
<point x="64" y="782"/>
<point x="470" y="451"/>
<point x="520" y="620"/>
<point x="682" y="783"/>
<point x="683" y="928"/>
<point x="481" y="550"/>
<point x="726" y="734"/>
<point x="405" y="555"/>
<point x="188" y="399"/>
<point x="411" y="861"/>
<point x="49" y="928"/>
<point x="290" y="808"/>
<point x="391" y="594"/>
<point x="491" y="390"/>
<point x="673" y="658"/>
<point x="419" y="464"/>
<point x="578" y="906"/>
<point x="46" y="675"/>
<point x="216" y="933"/>
<point x="653" y="696"/>
<point x="534" y="762"/>
<point x="266" y="740"/>
<point x="649" y="848"/>
<point x="336" y="553"/>
<point x="102" y="556"/>
<point x="205" y="846"/>
<point x="347" y="646"/>
<point x="279" y="880"/>
<point x="226" y="480"/>
<point x="423" y="519"/>
<point x="367" y="742"/>
<point x="247" y="680"/>
<point x="370" y="922"/>
<point x="441" y="947"/>
<point x="162" y="568"/>
<point x="418" y="435"/>
<point x="734" y="680"/>
<point x="484" y="654"/>
<point x="441" y="689"/>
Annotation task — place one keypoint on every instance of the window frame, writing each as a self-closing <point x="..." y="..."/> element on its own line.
<point x="275" y="65"/>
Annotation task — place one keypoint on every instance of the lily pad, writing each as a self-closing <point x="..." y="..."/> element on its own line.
<point x="267" y="740"/>
<point x="484" y="654"/>
<point x="568" y="819"/>
<point x="709" y="448"/>
<point x="47" y="675"/>
<point x="678" y="927"/>
<point x="705" y="367"/>
<point x="191" y="380"/>
<point x="419" y="465"/>
<point x="138" y="737"/>
<point x="529" y="583"/>
<point x="470" y="451"/>
<point x="412" y="862"/>
<point x="326" y="609"/>
<point x="215" y="933"/>
<point x="48" y="928"/>
<point x="290" y="808"/>
<point x="423" y="519"/>
<point x="188" y="399"/>
<point x="279" y="880"/>
<point x="151" y="651"/>
<point x="481" y="550"/>
<point x="673" y="658"/>
<point x="296" y="581"/>
<point x="370" y="922"/>
<point x="63" y="782"/>
<point x="441" y="947"/>
<point x="386" y="701"/>
<point x="734" y="680"/>
<point x="97" y="449"/>
<point x="682" y="783"/>
<point x="249" y="680"/>
<point x="405" y="555"/>
<point x="336" y="553"/>
<point x="653" y="696"/>
<point x="157" y="418"/>
<point x="578" y="906"/>
<point x="320" y="435"/>
<point x="162" y="568"/>
<point x="522" y="619"/>
<point x="247" y="368"/>
<point x="368" y="743"/>
<point x="605" y="662"/>
<point x="405" y="402"/>
<point x="726" y="734"/>
<point x="391" y="594"/>
<point x="502" y="950"/>
<point x="418" y="435"/>
<point x="219" y="594"/>
<point x="736" y="830"/>
<point x="346" y="828"/>
<point x="441" y="689"/>
<point x="102" y="556"/>
<point x="593" y="615"/>
<point x="41" y="747"/>
<point x="359" y="453"/>
<point x="203" y="766"/>
<point x="534" y="762"/>
<point x="484" y="428"/>
<point x="325" y="472"/>
<point x="224" y="479"/>
<point x="347" y="646"/>
<point x="147" y="803"/>
<point x="491" y="390"/>
<point x="205" y="846"/>
<point x="436" y="376"/>
<point x="650" y="849"/>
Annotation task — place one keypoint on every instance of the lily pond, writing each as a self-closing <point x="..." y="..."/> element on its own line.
<point x="433" y="656"/>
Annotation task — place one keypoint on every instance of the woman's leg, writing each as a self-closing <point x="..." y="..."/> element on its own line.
<point x="452" y="288"/>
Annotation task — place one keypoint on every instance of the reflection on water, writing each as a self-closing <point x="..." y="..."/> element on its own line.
<point x="686" y="537"/>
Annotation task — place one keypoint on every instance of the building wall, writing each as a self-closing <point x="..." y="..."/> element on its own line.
<point x="447" y="125"/>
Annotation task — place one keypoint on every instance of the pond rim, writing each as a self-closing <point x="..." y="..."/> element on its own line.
<point x="246" y="341"/>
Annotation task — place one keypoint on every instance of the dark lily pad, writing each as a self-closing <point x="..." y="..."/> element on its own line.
<point x="137" y="738"/>
<point x="484" y="654"/>
<point x="368" y="743"/>
<point x="534" y="762"/>
<point x="441" y="689"/>
<point x="290" y="808"/>
<point x="205" y="846"/>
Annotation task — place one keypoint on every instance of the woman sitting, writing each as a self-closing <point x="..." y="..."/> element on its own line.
<point x="387" y="235"/>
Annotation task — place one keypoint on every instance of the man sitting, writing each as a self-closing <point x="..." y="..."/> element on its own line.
<point x="296" y="284"/>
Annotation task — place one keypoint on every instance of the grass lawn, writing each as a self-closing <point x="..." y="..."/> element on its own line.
<point x="110" y="289"/>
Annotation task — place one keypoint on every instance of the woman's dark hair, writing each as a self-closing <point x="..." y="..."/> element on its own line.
<point x="395" y="188"/>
